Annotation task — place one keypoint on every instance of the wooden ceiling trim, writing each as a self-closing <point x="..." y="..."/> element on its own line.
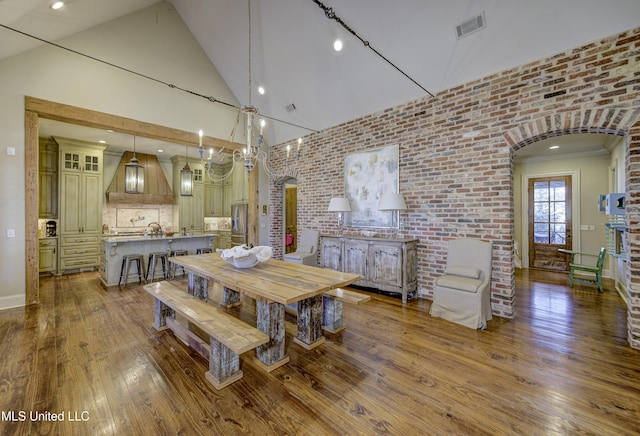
<point x="100" y="120"/>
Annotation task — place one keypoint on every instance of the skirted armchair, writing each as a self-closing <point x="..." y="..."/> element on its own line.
<point x="463" y="294"/>
<point x="307" y="252"/>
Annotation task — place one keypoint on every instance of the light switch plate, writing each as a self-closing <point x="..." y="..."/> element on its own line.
<point x="11" y="233"/>
<point x="11" y="151"/>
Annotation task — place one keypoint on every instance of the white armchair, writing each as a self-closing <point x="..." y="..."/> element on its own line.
<point x="307" y="250"/>
<point x="463" y="294"/>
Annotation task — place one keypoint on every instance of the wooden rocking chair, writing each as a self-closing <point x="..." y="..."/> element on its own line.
<point x="594" y="269"/>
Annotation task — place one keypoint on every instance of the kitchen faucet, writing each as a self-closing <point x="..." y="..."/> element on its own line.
<point x="156" y="229"/>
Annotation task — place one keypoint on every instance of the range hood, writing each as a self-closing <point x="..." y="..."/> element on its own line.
<point x="156" y="188"/>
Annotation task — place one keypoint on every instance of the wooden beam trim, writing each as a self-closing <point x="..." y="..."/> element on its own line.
<point x="31" y="208"/>
<point x="100" y="120"/>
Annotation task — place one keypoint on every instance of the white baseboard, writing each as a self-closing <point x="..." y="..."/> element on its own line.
<point x="622" y="291"/>
<point x="12" y="301"/>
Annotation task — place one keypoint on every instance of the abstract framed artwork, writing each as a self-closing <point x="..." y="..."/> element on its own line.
<point x="368" y="175"/>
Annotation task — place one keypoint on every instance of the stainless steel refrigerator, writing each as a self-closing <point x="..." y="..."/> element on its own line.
<point x="239" y="216"/>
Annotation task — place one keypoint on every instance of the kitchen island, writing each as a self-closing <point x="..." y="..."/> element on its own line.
<point x="115" y="246"/>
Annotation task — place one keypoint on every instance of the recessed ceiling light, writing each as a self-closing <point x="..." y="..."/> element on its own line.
<point x="56" y="5"/>
<point x="260" y="90"/>
<point x="102" y="141"/>
<point x="554" y="147"/>
<point x="337" y="45"/>
<point x="160" y="150"/>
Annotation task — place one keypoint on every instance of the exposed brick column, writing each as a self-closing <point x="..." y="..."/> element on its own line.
<point x="633" y="235"/>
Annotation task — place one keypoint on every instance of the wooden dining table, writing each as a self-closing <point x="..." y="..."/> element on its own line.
<point x="273" y="284"/>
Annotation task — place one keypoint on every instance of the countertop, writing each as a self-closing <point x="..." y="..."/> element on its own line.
<point x="142" y="238"/>
<point x="380" y="238"/>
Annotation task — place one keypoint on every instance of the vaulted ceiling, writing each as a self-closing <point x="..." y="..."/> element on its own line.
<point x="292" y="53"/>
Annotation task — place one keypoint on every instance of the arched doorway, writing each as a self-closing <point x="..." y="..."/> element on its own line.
<point x="614" y="121"/>
<point x="556" y="183"/>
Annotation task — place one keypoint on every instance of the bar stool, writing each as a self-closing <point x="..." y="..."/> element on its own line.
<point x="153" y="259"/>
<point x="204" y="250"/>
<point x="127" y="259"/>
<point x="173" y="265"/>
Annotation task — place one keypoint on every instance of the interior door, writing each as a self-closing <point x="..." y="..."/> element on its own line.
<point x="291" y="218"/>
<point x="549" y="222"/>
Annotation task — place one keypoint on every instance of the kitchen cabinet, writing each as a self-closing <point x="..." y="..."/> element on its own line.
<point x="48" y="255"/>
<point x="213" y="200"/>
<point x="214" y="193"/>
<point x="385" y="264"/>
<point x="227" y="194"/>
<point x="227" y="190"/>
<point x="48" y="179"/>
<point x="225" y="241"/>
<point x="81" y="203"/>
<point x="80" y="194"/>
<point x="240" y="184"/>
<point x="222" y="240"/>
<point x="188" y="210"/>
<point x="79" y="252"/>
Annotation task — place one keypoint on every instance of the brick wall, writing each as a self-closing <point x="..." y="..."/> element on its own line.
<point x="457" y="186"/>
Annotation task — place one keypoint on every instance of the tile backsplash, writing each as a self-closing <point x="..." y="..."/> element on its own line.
<point x="223" y="223"/>
<point x="135" y="218"/>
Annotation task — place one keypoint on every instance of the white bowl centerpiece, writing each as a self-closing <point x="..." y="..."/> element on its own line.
<point x="243" y="257"/>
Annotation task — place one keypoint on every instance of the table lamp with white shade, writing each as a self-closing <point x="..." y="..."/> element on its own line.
<point x="340" y="205"/>
<point x="393" y="202"/>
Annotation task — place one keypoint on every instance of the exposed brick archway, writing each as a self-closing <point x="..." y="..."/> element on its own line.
<point x="612" y="121"/>
<point x="615" y="121"/>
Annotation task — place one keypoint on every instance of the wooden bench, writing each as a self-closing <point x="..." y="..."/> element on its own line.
<point x="228" y="336"/>
<point x="332" y="307"/>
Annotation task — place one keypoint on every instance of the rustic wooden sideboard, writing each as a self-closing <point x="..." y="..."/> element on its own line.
<point x="385" y="264"/>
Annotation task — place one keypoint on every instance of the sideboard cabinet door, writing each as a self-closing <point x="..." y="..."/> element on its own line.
<point x="331" y="253"/>
<point x="356" y="253"/>
<point x="386" y="264"/>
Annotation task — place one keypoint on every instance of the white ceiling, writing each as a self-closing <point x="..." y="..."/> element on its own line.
<point x="293" y="58"/>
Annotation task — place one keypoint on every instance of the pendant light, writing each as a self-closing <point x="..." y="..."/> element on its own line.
<point x="186" y="178"/>
<point x="134" y="174"/>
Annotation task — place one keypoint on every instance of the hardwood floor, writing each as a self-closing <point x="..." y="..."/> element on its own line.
<point x="563" y="366"/>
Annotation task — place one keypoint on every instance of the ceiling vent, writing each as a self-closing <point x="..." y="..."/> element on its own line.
<point x="471" y="25"/>
<point x="290" y="107"/>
